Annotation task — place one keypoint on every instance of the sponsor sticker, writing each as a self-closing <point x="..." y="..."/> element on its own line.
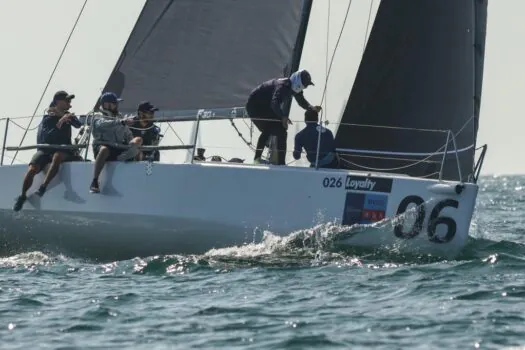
<point x="369" y="184"/>
<point x="364" y="208"/>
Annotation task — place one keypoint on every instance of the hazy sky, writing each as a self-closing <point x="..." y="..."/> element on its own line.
<point x="33" y="32"/>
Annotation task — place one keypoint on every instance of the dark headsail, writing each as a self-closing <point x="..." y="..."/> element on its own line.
<point x="188" y="54"/>
<point x="422" y="68"/>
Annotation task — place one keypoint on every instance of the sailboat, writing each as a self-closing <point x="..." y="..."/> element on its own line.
<point x="401" y="92"/>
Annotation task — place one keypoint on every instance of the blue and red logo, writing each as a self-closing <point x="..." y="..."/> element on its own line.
<point x="361" y="208"/>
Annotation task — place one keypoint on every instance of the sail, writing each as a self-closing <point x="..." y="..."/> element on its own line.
<point x="333" y="47"/>
<point x="421" y="69"/>
<point x="189" y="55"/>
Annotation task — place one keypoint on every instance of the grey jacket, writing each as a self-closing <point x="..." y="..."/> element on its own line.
<point x="109" y="129"/>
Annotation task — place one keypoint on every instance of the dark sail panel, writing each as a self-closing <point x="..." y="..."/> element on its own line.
<point x="480" y="33"/>
<point x="188" y="54"/>
<point x="420" y="70"/>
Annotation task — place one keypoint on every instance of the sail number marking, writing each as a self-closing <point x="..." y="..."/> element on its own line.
<point x="434" y="220"/>
<point x="333" y="182"/>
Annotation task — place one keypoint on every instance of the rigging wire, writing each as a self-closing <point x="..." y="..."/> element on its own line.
<point x="336" y="47"/>
<point x="328" y="70"/>
<point x="50" y="77"/>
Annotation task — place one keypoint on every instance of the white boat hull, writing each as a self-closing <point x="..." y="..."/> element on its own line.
<point x="148" y="209"/>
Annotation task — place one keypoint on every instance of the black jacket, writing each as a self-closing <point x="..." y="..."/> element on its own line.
<point x="48" y="133"/>
<point x="267" y="99"/>
<point x="149" y="136"/>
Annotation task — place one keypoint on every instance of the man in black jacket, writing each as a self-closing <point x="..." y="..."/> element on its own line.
<point x="55" y="129"/>
<point x="146" y="130"/>
<point x="265" y="109"/>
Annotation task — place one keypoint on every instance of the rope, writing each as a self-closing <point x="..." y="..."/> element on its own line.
<point x="424" y="160"/>
<point x="336" y="47"/>
<point x="190" y="152"/>
<point x="51" y="77"/>
<point x="248" y="143"/>
<point x="327" y="72"/>
<point x="415" y="154"/>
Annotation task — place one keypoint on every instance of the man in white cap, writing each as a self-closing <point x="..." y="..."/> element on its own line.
<point x="264" y="108"/>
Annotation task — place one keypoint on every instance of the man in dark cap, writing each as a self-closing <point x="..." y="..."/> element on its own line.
<point x="308" y="139"/>
<point x="55" y="129"/>
<point x="146" y="130"/>
<point x="265" y="109"/>
<point x="109" y="129"/>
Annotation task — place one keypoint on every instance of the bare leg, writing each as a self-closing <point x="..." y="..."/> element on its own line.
<point x="58" y="158"/>
<point x="138" y="141"/>
<point x="28" y="179"/>
<point x="100" y="161"/>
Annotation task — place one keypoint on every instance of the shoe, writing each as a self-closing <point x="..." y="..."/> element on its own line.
<point x="41" y="191"/>
<point x="257" y="161"/>
<point x="19" y="202"/>
<point x="94" y="187"/>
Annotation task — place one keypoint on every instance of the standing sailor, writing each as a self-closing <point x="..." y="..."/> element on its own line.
<point x="264" y="108"/>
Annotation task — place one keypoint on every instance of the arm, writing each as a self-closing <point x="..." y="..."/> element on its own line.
<point x="301" y="101"/>
<point x="75" y="122"/>
<point x="156" y="133"/>
<point x="102" y="123"/>
<point x="332" y="140"/>
<point x="297" y="147"/>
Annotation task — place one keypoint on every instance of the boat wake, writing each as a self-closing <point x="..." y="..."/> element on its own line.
<point x="321" y="244"/>
<point x="300" y="250"/>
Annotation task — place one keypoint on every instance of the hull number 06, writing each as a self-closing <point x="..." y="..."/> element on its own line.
<point x="434" y="220"/>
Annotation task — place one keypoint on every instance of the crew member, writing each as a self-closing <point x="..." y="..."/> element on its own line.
<point x="264" y="107"/>
<point x="148" y="132"/>
<point x="110" y="130"/>
<point x="308" y="138"/>
<point x="55" y="129"/>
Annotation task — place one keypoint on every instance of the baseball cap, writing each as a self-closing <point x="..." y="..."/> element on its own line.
<point x="146" y="106"/>
<point x="110" y="97"/>
<point x="306" y="78"/>
<point x="62" y="95"/>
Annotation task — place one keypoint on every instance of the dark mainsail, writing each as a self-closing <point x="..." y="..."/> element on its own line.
<point x="189" y="54"/>
<point x="422" y="68"/>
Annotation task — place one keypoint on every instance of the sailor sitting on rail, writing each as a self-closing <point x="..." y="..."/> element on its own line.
<point x="55" y="129"/>
<point x="109" y="131"/>
<point x="308" y="139"/>
<point x="148" y="132"/>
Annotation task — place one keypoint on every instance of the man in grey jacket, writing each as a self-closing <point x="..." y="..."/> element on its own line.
<point x="109" y="131"/>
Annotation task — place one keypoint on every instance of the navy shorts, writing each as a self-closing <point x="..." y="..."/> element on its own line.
<point x="44" y="157"/>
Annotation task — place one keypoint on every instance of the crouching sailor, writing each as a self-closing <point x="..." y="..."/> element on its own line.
<point x="308" y="139"/>
<point x="265" y="111"/>
<point x="55" y="129"/>
<point x="109" y="131"/>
